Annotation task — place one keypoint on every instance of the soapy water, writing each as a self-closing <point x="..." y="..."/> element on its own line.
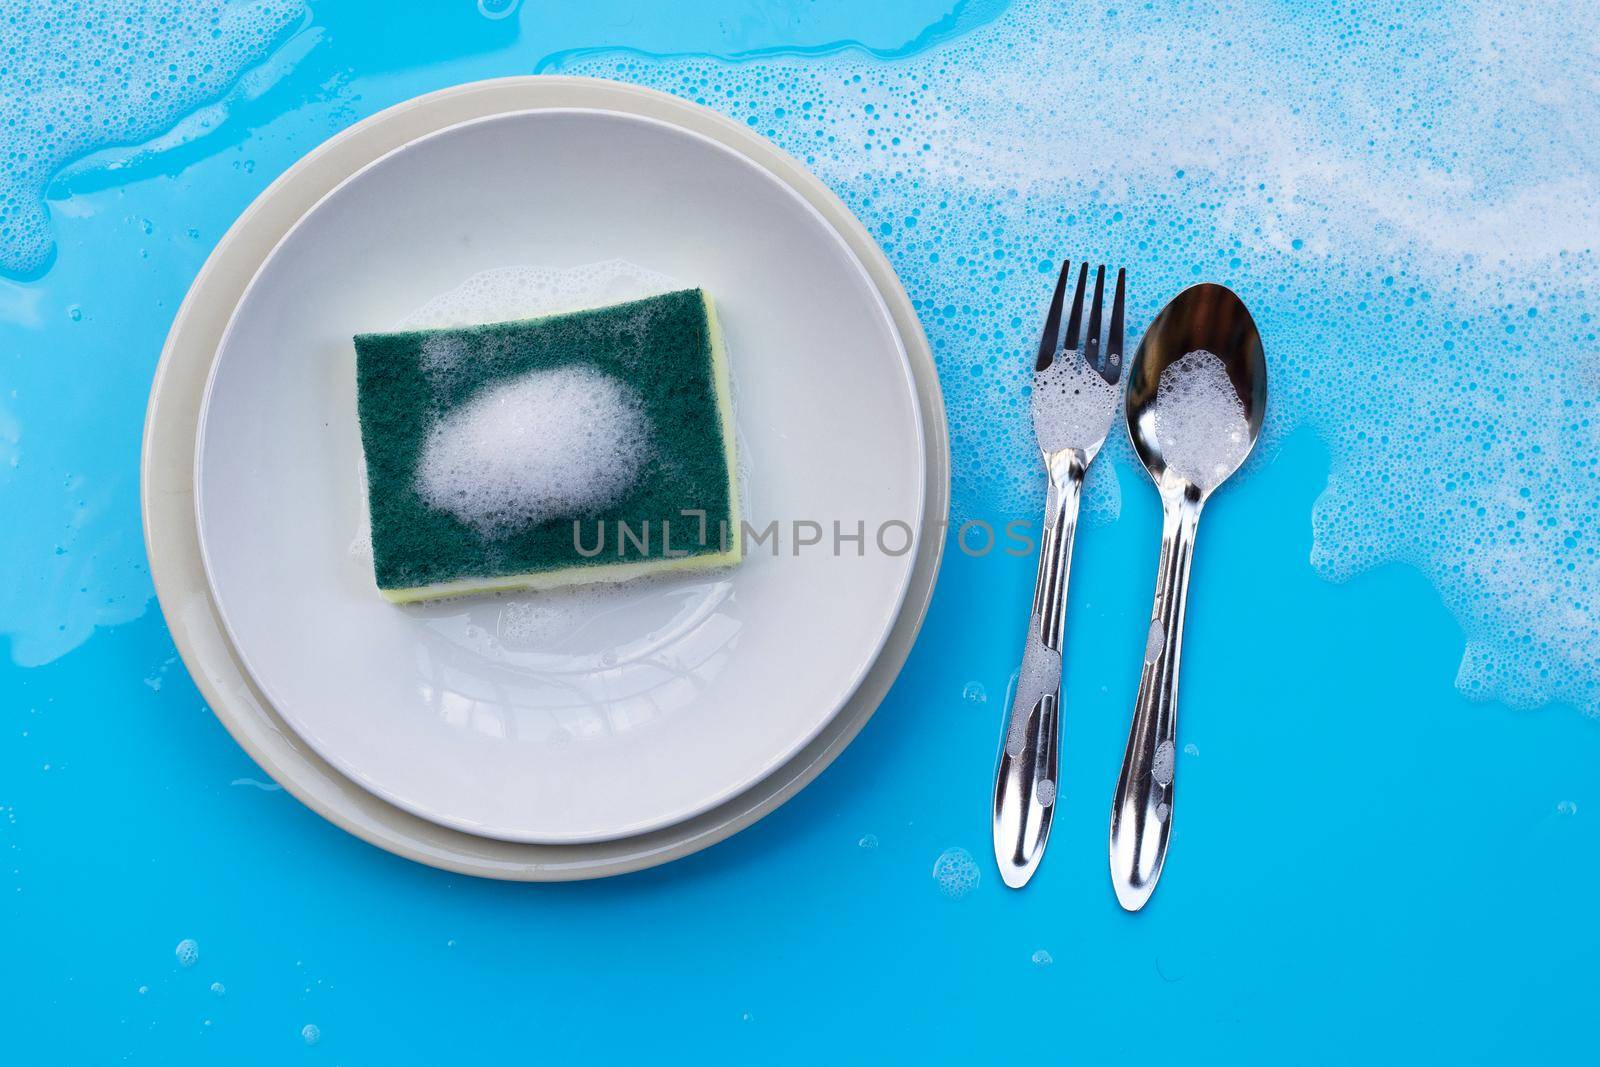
<point x="1199" y="420"/>
<point x="549" y="444"/>
<point x="76" y="77"/>
<point x="956" y="873"/>
<point x="1427" y="299"/>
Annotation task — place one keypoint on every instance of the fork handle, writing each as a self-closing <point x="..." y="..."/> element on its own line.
<point x="1141" y="811"/>
<point x="1025" y="786"/>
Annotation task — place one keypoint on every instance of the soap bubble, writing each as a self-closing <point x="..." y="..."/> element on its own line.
<point x="498" y="9"/>
<point x="956" y="873"/>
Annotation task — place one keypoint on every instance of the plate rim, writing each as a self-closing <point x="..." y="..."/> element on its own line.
<point x="862" y="663"/>
<point x="166" y="492"/>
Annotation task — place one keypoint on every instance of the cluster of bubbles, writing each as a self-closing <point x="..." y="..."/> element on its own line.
<point x="1200" y="422"/>
<point x="77" y="75"/>
<point x="550" y="443"/>
<point x="1362" y="175"/>
<point x="1073" y="407"/>
<point x="956" y="873"/>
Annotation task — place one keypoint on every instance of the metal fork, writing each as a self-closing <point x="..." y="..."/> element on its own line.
<point x="1072" y="414"/>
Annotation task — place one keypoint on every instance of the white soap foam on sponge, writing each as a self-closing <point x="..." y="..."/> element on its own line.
<point x="547" y="444"/>
<point x="1200" y="421"/>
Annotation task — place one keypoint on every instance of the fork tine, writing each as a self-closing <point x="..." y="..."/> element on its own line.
<point x="1052" y="323"/>
<point x="1091" y="344"/>
<point x="1113" y="361"/>
<point x="1071" y="343"/>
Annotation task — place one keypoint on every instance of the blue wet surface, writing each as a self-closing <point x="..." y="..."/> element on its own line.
<point x="1364" y="863"/>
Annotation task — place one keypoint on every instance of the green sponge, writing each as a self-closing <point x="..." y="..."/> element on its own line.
<point x="590" y="446"/>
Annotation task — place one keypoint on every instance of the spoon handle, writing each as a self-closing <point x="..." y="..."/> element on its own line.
<point x="1141" y="812"/>
<point x="1025" y="783"/>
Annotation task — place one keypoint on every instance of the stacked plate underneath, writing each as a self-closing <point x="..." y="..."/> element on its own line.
<point x="575" y="735"/>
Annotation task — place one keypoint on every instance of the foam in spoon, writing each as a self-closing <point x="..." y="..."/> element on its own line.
<point x="1199" y="419"/>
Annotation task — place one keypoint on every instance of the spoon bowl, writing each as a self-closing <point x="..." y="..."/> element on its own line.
<point x="1197" y="395"/>
<point x="1203" y="318"/>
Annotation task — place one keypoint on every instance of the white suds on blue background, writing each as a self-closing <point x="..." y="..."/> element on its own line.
<point x="1419" y="253"/>
<point x="956" y="873"/>
<point x="76" y="77"/>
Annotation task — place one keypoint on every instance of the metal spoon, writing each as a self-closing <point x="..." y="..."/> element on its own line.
<point x="1186" y="467"/>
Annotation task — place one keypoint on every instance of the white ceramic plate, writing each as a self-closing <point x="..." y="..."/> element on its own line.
<point x="656" y="703"/>
<point x="167" y="493"/>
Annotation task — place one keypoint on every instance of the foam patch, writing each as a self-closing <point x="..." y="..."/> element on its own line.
<point x="550" y="444"/>
<point x="79" y="77"/>
<point x="1199" y="419"/>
